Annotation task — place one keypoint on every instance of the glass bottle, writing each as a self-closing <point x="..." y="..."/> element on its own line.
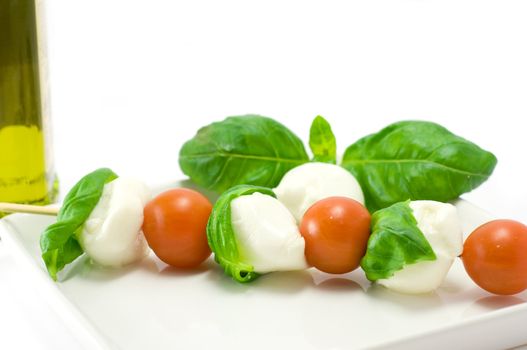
<point x="26" y="166"/>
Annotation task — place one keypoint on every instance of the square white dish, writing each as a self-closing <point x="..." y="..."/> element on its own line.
<point x="150" y="305"/>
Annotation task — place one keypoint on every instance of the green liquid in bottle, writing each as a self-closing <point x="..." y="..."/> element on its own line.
<point x="26" y="172"/>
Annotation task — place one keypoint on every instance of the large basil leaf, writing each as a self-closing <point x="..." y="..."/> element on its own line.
<point x="322" y="141"/>
<point x="59" y="243"/>
<point x="221" y="236"/>
<point x="247" y="149"/>
<point x="416" y="160"/>
<point x="395" y="242"/>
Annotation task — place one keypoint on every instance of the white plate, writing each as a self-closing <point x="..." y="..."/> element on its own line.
<point x="150" y="305"/>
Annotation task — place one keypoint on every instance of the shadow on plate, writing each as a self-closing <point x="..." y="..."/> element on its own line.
<point x="225" y="283"/>
<point x="171" y="271"/>
<point x="339" y="285"/>
<point x="289" y="282"/>
<point x="285" y="282"/>
<point x="491" y="303"/>
<point x="85" y="268"/>
<point x="495" y="302"/>
<point x="412" y="302"/>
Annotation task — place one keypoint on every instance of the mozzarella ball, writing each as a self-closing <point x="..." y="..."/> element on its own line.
<point x="112" y="234"/>
<point x="440" y="225"/>
<point x="303" y="186"/>
<point x="267" y="235"/>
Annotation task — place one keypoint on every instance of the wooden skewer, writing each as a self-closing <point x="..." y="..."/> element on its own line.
<point x="26" y="208"/>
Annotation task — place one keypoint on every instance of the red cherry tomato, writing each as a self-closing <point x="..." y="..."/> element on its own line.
<point x="495" y="256"/>
<point x="336" y="232"/>
<point x="175" y="225"/>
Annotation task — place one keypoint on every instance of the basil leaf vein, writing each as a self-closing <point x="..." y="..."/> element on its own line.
<point x="248" y="149"/>
<point x="416" y="160"/>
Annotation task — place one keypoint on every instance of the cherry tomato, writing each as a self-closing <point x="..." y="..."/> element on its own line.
<point x="175" y="225"/>
<point x="495" y="256"/>
<point x="336" y="232"/>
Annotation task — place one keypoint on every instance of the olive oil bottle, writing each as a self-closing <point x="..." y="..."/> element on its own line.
<point x="26" y="169"/>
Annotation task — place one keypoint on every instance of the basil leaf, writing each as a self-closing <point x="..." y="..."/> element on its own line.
<point x="322" y="141"/>
<point x="395" y="242"/>
<point x="59" y="243"/>
<point x="247" y="149"/>
<point x="221" y="236"/>
<point x="416" y="160"/>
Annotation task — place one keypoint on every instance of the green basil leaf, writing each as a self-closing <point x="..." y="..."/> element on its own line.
<point x="247" y="149"/>
<point x="221" y="236"/>
<point x="59" y="243"/>
<point x="416" y="160"/>
<point x="395" y="242"/>
<point x="322" y="141"/>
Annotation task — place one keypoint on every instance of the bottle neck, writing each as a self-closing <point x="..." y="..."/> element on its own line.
<point x="20" y="88"/>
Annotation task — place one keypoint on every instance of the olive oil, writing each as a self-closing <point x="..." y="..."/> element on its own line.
<point x="26" y="170"/>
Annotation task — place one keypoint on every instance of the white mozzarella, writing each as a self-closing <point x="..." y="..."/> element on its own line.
<point x="308" y="183"/>
<point x="440" y="225"/>
<point x="267" y="234"/>
<point x="112" y="234"/>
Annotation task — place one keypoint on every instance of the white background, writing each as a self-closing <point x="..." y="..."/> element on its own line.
<point x="132" y="80"/>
